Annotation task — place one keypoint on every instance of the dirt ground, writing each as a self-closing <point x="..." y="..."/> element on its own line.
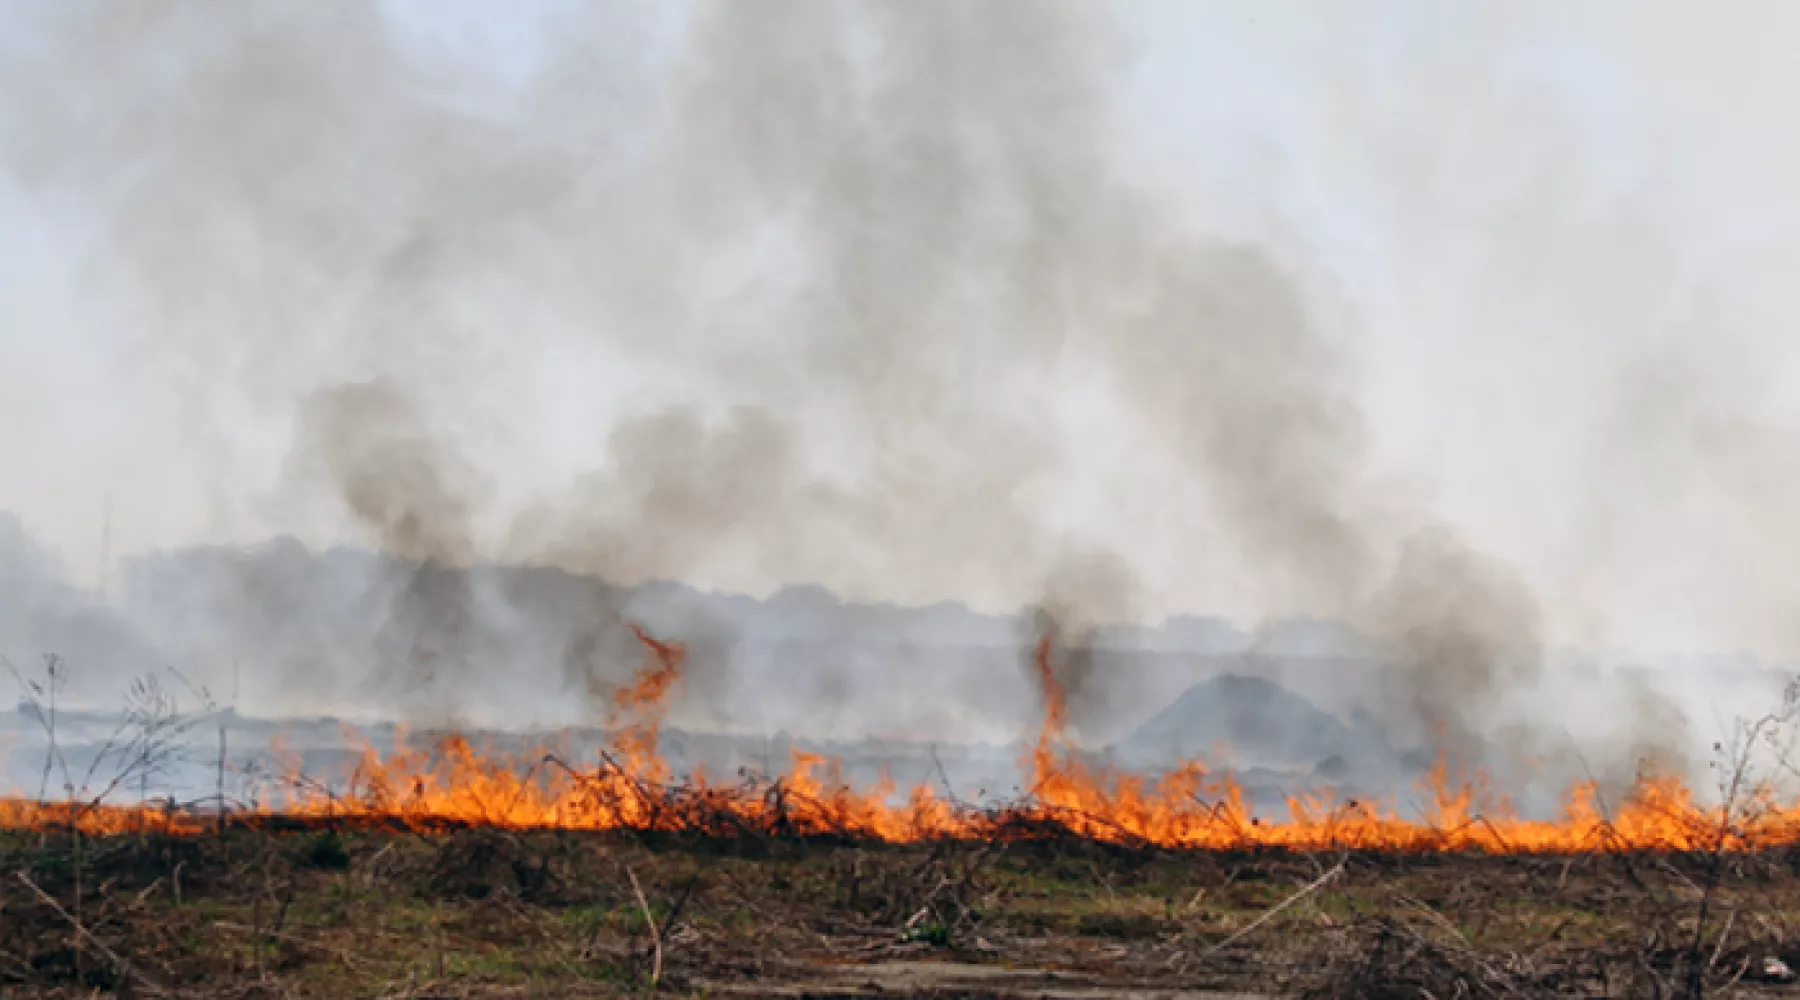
<point x="473" y="913"/>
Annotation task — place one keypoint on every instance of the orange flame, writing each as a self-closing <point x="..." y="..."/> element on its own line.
<point x="643" y="703"/>
<point x="1043" y="763"/>
<point x="455" y="783"/>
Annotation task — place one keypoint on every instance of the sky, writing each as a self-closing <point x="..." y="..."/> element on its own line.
<point x="1544" y="253"/>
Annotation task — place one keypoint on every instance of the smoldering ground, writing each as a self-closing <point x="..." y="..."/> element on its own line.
<point x="736" y="295"/>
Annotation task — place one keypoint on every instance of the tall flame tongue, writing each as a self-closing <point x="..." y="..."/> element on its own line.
<point x="639" y="707"/>
<point x="1068" y="792"/>
<point x="1056" y="712"/>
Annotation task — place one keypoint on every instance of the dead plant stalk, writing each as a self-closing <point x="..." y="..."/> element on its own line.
<point x="656" y="960"/>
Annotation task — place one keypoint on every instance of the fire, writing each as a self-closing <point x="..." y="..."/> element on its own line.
<point x="453" y="782"/>
<point x="643" y="702"/>
<point x="658" y="676"/>
<point x="1043" y="761"/>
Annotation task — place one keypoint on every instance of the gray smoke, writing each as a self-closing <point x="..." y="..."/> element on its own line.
<point x="822" y="280"/>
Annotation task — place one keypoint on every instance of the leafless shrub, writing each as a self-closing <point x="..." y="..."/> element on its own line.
<point x="150" y="737"/>
<point x="1745" y="766"/>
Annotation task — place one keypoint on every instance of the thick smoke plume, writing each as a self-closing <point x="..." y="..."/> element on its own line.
<point x="744" y="294"/>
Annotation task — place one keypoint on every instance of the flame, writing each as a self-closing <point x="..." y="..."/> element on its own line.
<point x="1043" y="761"/>
<point x="643" y="703"/>
<point x="454" y="783"/>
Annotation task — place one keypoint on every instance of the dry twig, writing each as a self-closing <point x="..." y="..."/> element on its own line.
<point x="650" y="919"/>
<point x="1314" y="886"/>
<point x="86" y="935"/>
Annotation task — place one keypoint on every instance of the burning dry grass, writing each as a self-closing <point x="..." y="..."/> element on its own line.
<point x="453" y="870"/>
<point x="453" y="783"/>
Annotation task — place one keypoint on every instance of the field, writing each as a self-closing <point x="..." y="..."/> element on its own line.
<point x="315" y="911"/>
<point x="459" y="871"/>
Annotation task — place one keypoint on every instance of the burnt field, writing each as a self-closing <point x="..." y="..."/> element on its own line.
<point x="318" y="911"/>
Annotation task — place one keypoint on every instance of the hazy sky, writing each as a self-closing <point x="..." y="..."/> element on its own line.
<point x="1550" y="250"/>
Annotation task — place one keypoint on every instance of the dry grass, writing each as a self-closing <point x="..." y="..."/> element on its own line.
<point x="488" y="912"/>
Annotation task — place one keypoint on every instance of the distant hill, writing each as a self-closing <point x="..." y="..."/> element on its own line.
<point x="1262" y="722"/>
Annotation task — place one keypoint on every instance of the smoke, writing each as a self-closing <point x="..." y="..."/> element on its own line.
<point x="1657" y="734"/>
<point x="740" y="295"/>
<point x="43" y="612"/>
<point x="367" y="444"/>
<point x="1467" y="629"/>
<point x="1085" y="591"/>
